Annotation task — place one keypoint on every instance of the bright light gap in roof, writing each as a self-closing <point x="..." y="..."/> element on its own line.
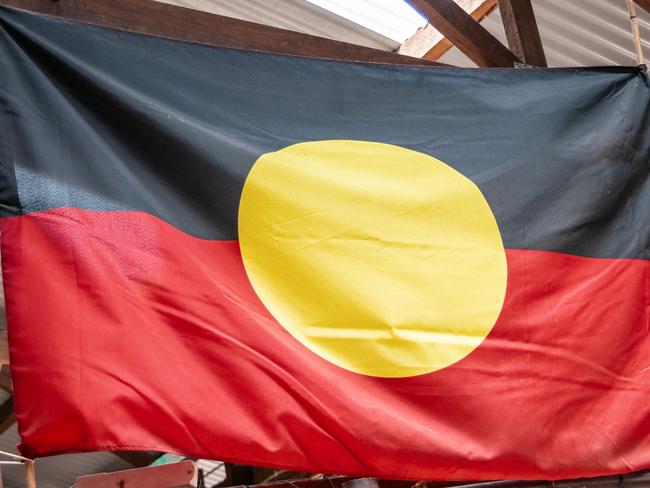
<point x="390" y="18"/>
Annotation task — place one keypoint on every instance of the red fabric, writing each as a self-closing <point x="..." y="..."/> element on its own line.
<point x="126" y="333"/>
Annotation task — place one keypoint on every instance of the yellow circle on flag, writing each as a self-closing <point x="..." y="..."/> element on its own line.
<point x="383" y="260"/>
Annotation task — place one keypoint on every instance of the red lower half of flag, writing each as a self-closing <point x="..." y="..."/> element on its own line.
<point x="126" y="333"/>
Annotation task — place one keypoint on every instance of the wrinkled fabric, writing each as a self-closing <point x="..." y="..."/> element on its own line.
<point x="133" y="324"/>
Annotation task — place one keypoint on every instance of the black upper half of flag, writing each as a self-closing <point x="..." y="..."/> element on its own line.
<point x="101" y="119"/>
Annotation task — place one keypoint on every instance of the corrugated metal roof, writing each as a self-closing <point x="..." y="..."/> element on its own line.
<point x="576" y="33"/>
<point x="62" y="471"/>
<point x="214" y="472"/>
<point x="297" y="15"/>
<point x="394" y="19"/>
<point x="57" y="471"/>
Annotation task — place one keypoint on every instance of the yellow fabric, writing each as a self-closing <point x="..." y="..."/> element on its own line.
<point x="383" y="260"/>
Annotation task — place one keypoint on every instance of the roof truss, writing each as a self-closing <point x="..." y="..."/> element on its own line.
<point x="467" y="34"/>
<point x="521" y="30"/>
<point x="429" y="43"/>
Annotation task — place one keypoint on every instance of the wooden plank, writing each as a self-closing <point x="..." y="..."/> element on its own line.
<point x="30" y="474"/>
<point x="522" y="32"/>
<point x="429" y="43"/>
<point x="183" y="474"/>
<point x="465" y="33"/>
<point x="170" y="21"/>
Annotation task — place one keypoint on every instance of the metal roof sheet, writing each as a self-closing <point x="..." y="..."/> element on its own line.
<point x="297" y="15"/>
<point x="56" y="471"/>
<point x="576" y="33"/>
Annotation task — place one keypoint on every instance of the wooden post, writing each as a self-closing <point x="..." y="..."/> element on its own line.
<point x="30" y="473"/>
<point x="631" y="8"/>
<point x="522" y="32"/>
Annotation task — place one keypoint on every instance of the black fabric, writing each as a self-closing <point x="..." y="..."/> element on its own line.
<point x="107" y="120"/>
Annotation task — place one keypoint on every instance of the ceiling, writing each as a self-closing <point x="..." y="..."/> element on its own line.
<point x="574" y="33"/>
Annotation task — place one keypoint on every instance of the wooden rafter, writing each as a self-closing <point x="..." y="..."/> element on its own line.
<point x="466" y="33"/>
<point x="522" y="32"/>
<point x="170" y="21"/>
<point x="644" y="4"/>
<point x="429" y="43"/>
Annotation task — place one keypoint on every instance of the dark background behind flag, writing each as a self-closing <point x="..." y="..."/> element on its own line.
<point x="94" y="120"/>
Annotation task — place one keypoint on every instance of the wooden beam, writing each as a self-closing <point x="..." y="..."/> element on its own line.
<point x="521" y="31"/>
<point x="634" y="24"/>
<point x="429" y="43"/>
<point x="30" y="474"/>
<point x="644" y="4"/>
<point x="170" y="21"/>
<point x="465" y="33"/>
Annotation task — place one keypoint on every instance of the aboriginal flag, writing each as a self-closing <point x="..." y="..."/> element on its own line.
<point x="334" y="267"/>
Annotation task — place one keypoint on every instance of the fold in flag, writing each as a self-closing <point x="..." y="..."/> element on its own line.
<point x="333" y="267"/>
